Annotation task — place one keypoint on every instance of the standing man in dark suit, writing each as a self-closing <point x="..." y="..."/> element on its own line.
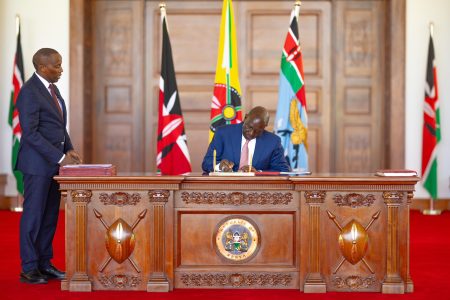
<point x="45" y="145"/>
<point x="238" y="144"/>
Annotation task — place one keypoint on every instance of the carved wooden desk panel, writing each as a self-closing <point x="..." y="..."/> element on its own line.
<point x="315" y="234"/>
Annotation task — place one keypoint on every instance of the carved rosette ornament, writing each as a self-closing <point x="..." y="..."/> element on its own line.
<point x="315" y="197"/>
<point x="159" y="195"/>
<point x="236" y="198"/>
<point x="353" y="282"/>
<point x="236" y="279"/>
<point x="119" y="281"/>
<point x="120" y="199"/>
<point x="354" y="200"/>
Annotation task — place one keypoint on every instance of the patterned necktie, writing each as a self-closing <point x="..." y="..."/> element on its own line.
<point x="244" y="155"/>
<point x="55" y="99"/>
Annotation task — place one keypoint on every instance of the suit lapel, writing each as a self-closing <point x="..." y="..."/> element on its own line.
<point x="258" y="149"/>
<point x="46" y="94"/>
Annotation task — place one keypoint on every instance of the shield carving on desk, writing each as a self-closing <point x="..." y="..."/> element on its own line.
<point x="120" y="240"/>
<point x="353" y="241"/>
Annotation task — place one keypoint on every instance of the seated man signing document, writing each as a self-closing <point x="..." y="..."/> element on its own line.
<point x="246" y="147"/>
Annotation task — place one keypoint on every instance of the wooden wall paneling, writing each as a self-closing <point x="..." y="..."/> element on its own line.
<point x="194" y="49"/>
<point x="81" y="76"/>
<point x="118" y="106"/>
<point x="266" y="28"/>
<point x="359" y="84"/>
<point x="395" y="83"/>
<point x="318" y="86"/>
<point x="196" y="112"/>
<point x="329" y="109"/>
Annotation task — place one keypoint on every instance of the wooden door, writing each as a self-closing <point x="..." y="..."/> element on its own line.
<point x="348" y="74"/>
<point x="118" y="135"/>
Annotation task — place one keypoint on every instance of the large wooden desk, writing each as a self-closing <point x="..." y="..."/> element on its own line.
<point x="312" y="233"/>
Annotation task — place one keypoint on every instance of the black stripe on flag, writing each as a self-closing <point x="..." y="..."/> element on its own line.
<point x="430" y="67"/>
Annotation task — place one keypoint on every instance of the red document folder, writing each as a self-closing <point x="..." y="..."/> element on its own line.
<point x="88" y="170"/>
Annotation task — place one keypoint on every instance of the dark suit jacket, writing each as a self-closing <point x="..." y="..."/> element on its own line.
<point x="44" y="135"/>
<point x="268" y="156"/>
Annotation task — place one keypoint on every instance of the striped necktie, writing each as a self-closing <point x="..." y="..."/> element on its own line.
<point x="55" y="99"/>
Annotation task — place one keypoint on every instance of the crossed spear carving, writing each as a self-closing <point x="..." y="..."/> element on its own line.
<point x="132" y="262"/>
<point x="333" y="218"/>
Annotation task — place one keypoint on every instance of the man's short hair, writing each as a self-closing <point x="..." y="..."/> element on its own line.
<point x="41" y="54"/>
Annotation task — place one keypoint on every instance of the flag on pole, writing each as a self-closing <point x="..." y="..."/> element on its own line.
<point x="13" y="120"/>
<point x="291" y="122"/>
<point x="173" y="155"/>
<point x="431" y="127"/>
<point x="226" y="101"/>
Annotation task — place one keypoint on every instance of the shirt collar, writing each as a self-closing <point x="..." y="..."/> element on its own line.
<point x="43" y="80"/>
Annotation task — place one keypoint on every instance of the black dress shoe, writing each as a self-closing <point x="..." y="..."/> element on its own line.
<point x="33" y="277"/>
<point x="52" y="273"/>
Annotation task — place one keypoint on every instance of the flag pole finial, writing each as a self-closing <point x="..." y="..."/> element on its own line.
<point x="297" y="5"/>
<point x="162" y="9"/>
<point x="17" y="24"/>
<point x="431" y="28"/>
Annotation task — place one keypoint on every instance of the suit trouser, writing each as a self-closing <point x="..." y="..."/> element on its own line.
<point x="39" y="220"/>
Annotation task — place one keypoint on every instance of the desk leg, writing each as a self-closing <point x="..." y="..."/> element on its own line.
<point x="393" y="283"/>
<point x="80" y="281"/>
<point x="314" y="282"/>
<point x="158" y="281"/>
<point x="409" y="282"/>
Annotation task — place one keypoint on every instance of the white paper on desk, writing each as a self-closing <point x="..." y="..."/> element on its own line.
<point x="231" y="174"/>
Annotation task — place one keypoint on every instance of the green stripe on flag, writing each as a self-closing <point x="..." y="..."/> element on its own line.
<point x="291" y="74"/>
<point x="217" y="118"/>
<point x="17" y="174"/>
<point x="230" y="59"/>
<point x="430" y="183"/>
<point x="11" y="109"/>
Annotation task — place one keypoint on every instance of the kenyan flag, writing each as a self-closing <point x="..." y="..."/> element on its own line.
<point x="431" y="127"/>
<point x="13" y="120"/>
